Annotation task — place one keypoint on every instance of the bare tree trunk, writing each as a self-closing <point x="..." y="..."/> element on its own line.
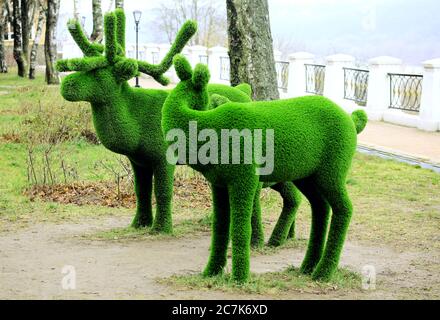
<point x="97" y="21"/>
<point x="251" y="47"/>
<point x="18" y="39"/>
<point x="3" y="23"/>
<point x="34" y="51"/>
<point x="26" y="27"/>
<point x="50" y="44"/>
<point x="119" y="4"/>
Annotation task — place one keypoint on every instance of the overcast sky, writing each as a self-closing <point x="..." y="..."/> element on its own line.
<point x="407" y="29"/>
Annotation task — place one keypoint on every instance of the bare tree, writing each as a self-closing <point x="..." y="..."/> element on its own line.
<point x="27" y="21"/>
<point x="38" y="32"/>
<point x="50" y="45"/>
<point x="18" y="39"/>
<point x="170" y="15"/>
<point x="251" y="47"/>
<point x="3" y="23"/>
<point x="119" y="4"/>
<point x="97" y="33"/>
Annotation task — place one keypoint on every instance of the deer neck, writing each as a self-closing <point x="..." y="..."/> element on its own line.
<point x="115" y="126"/>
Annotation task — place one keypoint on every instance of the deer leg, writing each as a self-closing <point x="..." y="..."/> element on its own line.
<point x="285" y="227"/>
<point x="143" y="186"/>
<point x="163" y="191"/>
<point x="318" y="231"/>
<point x="241" y="197"/>
<point x="342" y="210"/>
<point x="220" y="232"/>
<point x="257" y="237"/>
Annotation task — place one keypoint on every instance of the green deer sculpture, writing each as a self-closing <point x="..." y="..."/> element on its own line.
<point x="127" y="120"/>
<point x="314" y="141"/>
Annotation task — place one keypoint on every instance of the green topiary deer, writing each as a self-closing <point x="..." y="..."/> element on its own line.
<point x="127" y="120"/>
<point x="314" y="141"/>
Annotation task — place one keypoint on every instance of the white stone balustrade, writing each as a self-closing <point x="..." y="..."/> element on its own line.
<point x="430" y="104"/>
<point x="334" y="78"/>
<point x="378" y="99"/>
<point x="215" y="64"/>
<point x="297" y="73"/>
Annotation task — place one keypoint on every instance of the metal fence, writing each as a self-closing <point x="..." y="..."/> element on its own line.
<point x="315" y="75"/>
<point x="224" y="68"/>
<point x="282" y="69"/>
<point x="405" y="91"/>
<point x="356" y="85"/>
<point x="204" y="59"/>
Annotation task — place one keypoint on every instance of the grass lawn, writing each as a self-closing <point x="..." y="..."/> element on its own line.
<point x="395" y="204"/>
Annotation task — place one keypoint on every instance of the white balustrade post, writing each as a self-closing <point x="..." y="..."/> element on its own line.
<point x="215" y="54"/>
<point x="197" y="54"/>
<point x="297" y="73"/>
<point x="334" y="81"/>
<point x="378" y="99"/>
<point x="430" y="104"/>
<point x="151" y="49"/>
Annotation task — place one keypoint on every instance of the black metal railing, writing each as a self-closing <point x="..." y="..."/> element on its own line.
<point x="315" y="75"/>
<point x="405" y="91"/>
<point x="204" y="59"/>
<point x="356" y="85"/>
<point x="282" y="69"/>
<point x="224" y="68"/>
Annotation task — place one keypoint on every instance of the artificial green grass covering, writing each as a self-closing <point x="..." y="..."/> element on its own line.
<point x="314" y="143"/>
<point x="127" y="120"/>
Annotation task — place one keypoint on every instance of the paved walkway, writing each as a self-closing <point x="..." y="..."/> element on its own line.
<point x="402" y="140"/>
<point x="382" y="136"/>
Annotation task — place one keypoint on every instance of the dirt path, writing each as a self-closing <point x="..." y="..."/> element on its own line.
<point x="31" y="262"/>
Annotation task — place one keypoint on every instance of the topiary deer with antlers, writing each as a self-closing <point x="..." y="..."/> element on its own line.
<point x="127" y="120"/>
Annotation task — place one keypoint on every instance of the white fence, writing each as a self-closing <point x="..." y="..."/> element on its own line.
<point x="386" y="89"/>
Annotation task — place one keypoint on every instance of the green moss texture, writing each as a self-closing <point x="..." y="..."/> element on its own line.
<point x="314" y="143"/>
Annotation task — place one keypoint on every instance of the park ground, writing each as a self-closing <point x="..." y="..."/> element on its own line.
<point x="66" y="201"/>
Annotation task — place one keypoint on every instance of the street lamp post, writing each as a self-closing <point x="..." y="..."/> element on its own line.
<point x="137" y="17"/>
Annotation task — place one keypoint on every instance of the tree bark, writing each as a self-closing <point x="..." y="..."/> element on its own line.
<point x="251" y="47"/>
<point x="18" y="39"/>
<point x="34" y="51"/>
<point x="3" y="23"/>
<point x="27" y="10"/>
<point x="97" y="33"/>
<point x="119" y="4"/>
<point x="50" y="44"/>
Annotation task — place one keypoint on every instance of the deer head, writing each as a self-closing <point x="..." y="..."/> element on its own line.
<point x="104" y="69"/>
<point x="193" y="85"/>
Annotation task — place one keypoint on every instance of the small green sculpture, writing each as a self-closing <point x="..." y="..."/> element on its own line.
<point x="127" y="120"/>
<point x="314" y="143"/>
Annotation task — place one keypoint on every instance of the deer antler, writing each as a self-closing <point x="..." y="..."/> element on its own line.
<point x="89" y="49"/>
<point x="114" y="48"/>
<point x="185" y="33"/>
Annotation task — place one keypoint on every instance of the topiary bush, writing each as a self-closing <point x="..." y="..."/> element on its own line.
<point x="314" y="141"/>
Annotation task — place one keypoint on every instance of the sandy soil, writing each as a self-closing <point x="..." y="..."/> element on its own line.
<point x="32" y="260"/>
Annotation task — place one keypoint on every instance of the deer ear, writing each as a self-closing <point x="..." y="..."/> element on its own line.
<point x="201" y="76"/>
<point x="125" y="69"/>
<point x="182" y="66"/>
